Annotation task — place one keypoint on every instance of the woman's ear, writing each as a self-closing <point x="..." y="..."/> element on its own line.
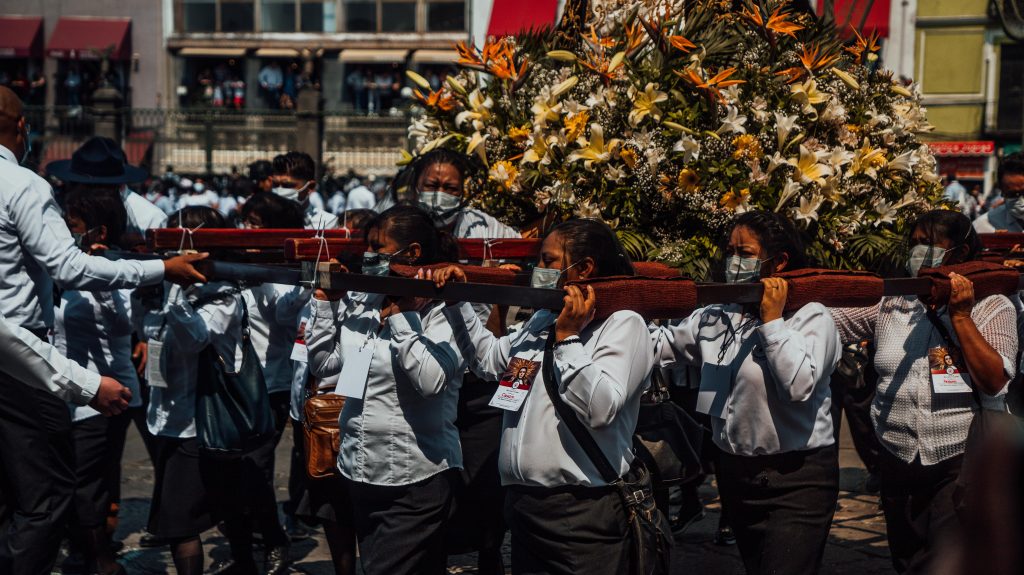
<point x="414" y="250"/>
<point x="586" y="269"/>
<point x="101" y="235"/>
<point x="781" y="262"/>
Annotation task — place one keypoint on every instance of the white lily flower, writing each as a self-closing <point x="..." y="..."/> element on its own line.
<point x="808" y="210"/>
<point x="886" y="213"/>
<point x="904" y="162"/>
<point x="733" y="123"/>
<point x="789" y="191"/>
<point x="689" y="147"/>
<point x="476" y="144"/>
<point x="784" y="126"/>
<point x="479" y="110"/>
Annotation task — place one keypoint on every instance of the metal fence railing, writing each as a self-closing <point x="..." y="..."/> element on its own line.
<point x="214" y="141"/>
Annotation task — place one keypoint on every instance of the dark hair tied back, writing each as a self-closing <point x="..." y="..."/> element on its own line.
<point x="587" y="238"/>
<point x="408" y="225"/>
<point x="777" y="235"/>
<point x="953" y="226"/>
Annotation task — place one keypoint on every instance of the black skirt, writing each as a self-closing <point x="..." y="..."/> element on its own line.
<point x="180" y="506"/>
<point x="326" y="499"/>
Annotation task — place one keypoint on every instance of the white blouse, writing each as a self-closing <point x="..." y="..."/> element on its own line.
<point x="95" y="330"/>
<point x="403" y="429"/>
<point x="773" y="394"/>
<point x="909" y="419"/>
<point x="184" y="331"/>
<point x="601" y="377"/>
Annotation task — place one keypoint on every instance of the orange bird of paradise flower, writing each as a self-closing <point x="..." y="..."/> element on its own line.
<point x="496" y="58"/>
<point x="863" y="46"/>
<point x="713" y="85"/>
<point x="440" y="100"/>
<point x="812" y="60"/>
<point x="776" y="22"/>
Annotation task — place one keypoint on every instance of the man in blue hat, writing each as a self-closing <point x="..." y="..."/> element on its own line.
<point x="100" y="165"/>
<point x="36" y="250"/>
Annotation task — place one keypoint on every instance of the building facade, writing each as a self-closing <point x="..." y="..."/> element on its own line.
<point x="971" y="77"/>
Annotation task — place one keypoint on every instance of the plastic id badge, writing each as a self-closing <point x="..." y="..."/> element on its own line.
<point x="515" y="384"/>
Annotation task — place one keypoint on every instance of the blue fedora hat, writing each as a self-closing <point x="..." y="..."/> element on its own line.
<point x="97" y="161"/>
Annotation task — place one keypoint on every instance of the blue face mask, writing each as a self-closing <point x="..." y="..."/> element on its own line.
<point x="924" y="256"/>
<point x="548" y="278"/>
<point x="742" y="270"/>
<point x="378" y="264"/>
<point x="1015" y="207"/>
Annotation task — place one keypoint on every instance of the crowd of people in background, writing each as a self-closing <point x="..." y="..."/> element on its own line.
<point x="433" y="457"/>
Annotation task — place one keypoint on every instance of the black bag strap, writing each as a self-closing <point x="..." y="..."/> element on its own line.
<point x="933" y="317"/>
<point x="569" y="418"/>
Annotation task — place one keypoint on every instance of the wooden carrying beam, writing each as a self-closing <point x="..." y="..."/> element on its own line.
<point x="469" y="249"/>
<point x="653" y="298"/>
<point x="227" y="239"/>
<point x="1001" y="242"/>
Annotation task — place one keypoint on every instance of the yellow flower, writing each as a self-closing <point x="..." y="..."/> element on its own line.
<point x="868" y="160"/>
<point x="505" y="174"/>
<point x="629" y="157"/>
<point x="519" y="135"/>
<point x="479" y="110"/>
<point x="595" y="151"/>
<point x="747" y="147"/>
<point x="575" y="124"/>
<point x="733" y="200"/>
<point x="645" y="103"/>
<point x="808" y="167"/>
<point x="688" y="180"/>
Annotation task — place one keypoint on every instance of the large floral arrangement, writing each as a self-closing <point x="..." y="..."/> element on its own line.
<point x="667" y="124"/>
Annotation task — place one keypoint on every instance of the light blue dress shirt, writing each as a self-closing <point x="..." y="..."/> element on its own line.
<point x="36" y="249"/>
<point x="403" y="430"/>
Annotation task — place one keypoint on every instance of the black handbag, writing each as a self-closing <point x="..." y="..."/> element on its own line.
<point x="667" y="439"/>
<point x="986" y="423"/>
<point x="233" y="414"/>
<point x="650" y="536"/>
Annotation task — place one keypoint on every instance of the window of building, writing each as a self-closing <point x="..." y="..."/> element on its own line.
<point x="318" y="15"/>
<point x="446" y="16"/>
<point x="398" y="16"/>
<point x="199" y="15"/>
<point x="237" y="16"/>
<point x="1011" y="89"/>
<point x="360" y="16"/>
<point x="278" y="16"/>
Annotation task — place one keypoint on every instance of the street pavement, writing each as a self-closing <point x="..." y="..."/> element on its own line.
<point x="856" y="543"/>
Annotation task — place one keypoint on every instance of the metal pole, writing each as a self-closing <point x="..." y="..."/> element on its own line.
<point x="208" y="142"/>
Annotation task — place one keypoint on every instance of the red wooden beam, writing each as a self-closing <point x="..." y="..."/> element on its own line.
<point x="1002" y="242"/>
<point x="266" y="239"/>
<point x="505" y="249"/>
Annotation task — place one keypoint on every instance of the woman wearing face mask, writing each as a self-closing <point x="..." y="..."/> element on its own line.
<point x="295" y="179"/>
<point x="401" y="372"/>
<point x="563" y="516"/>
<point x="921" y="413"/>
<point x="94" y="329"/>
<point x="439" y="178"/>
<point x="765" y="385"/>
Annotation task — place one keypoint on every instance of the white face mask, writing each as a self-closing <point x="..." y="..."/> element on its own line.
<point x="1015" y="207"/>
<point x="81" y="240"/>
<point x="924" y="256"/>
<point x="292" y="194"/>
<point x="742" y="270"/>
<point x="443" y="205"/>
